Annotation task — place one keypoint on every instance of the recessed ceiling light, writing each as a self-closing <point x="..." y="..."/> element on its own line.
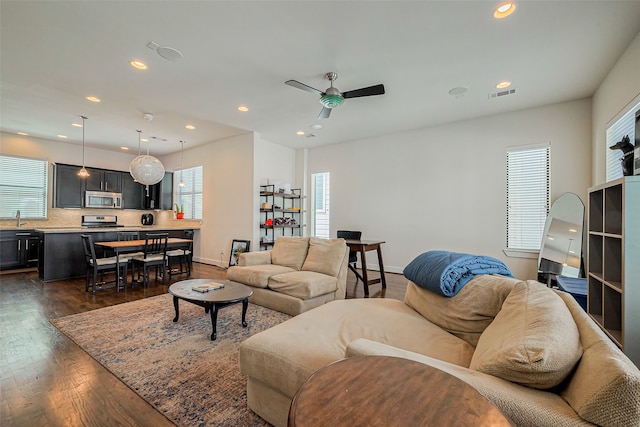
<point x="504" y="10"/>
<point x="190" y="127"/>
<point x="300" y="132"/>
<point x="22" y="133"/>
<point x="316" y="126"/>
<point x="62" y="136"/>
<point x="124" y="148"/>
<point x="93" y="99"/>
<point x="243" y="108"/>
<point x="503" y="84"/>
<point x="78" y="125"/>
<point x="137" y="64"/>
<point x="458" y="91"/>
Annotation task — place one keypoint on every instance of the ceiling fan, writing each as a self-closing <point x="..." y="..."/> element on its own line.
<point x="332" y="97"/>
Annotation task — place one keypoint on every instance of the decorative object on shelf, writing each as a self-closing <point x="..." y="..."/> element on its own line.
<point x="181" y="183"/>
<point x="179" y="211"/>
<point x="627" y="154"/>
<point x="146" y="169"/>
<point x="238" y="247"/>
<point x="83" y="172"/>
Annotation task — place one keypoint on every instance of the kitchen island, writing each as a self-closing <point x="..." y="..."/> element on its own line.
<point x="61" y="255"/>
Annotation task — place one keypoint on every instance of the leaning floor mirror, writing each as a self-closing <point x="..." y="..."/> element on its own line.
<point x="561" y="248"/>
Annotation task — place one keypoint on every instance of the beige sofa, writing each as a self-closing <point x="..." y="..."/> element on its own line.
<point x="530" y="350"/>
<point x="298" y="274"/>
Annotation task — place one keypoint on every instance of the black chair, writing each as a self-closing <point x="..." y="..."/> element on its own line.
<point x="102" y="265"/>
<point x="184" y="256"/>
<point x="353" y="256"/>
<point x="154" y="255"/>
<point x="129" y="236"/>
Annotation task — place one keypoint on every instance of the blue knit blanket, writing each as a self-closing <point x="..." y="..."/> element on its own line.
<point x="446" y="272"/>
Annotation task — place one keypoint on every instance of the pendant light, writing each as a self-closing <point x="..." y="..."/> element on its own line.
<point x="82" y="173"/>
<point x="181" y="183"/>
<point x="146" y="169"/>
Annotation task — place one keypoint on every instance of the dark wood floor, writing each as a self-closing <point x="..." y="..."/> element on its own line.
<point x="47" y="380"/>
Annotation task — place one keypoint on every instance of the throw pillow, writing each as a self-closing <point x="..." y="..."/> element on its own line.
<point x="469" y="312"/>
<point x="325" y="256"/>
<point x="533" y="340"/>
<point x="290" y="251"/>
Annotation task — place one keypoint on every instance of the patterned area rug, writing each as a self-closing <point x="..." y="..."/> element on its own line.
<point x="175" y="366"/>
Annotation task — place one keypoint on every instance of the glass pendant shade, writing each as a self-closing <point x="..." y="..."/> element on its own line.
<point x="146" y="169"/>
<point x="83" y="173"/>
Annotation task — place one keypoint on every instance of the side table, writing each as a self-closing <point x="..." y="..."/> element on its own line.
<point x="389" y="391"/>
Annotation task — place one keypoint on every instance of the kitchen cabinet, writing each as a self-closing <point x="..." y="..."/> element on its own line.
<point x="103" y="180"/>
<point x="132" y="192"/>
<point x="68" y="187"/>
<point x="18" y="249"/>
<point x="160" y="195"/>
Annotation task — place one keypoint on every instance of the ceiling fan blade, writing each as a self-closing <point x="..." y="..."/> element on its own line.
<point x="324" y="114"/>
<point x="365" y="91"/>
<point x="297" y="84"/>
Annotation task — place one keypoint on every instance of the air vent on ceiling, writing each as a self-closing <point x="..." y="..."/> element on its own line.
<point x="502" y="93"/>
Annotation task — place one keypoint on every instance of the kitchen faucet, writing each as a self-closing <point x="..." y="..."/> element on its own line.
<point x="18" y="218"/>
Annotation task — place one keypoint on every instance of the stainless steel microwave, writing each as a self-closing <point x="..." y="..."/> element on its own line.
<point x="102" y="199"/>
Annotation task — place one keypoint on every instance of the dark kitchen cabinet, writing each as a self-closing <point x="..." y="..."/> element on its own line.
<point x="161" y="194"/>
<point x="18" y="249"/>
<point x="132" y="192"/>
<point x="68" y="187"/>
<point x="104" y="180"/>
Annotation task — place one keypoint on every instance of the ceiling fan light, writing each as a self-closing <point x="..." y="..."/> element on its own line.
<point x="329" y="100"/>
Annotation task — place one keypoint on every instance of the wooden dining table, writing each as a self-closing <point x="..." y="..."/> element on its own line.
<point x="122" y="246"/>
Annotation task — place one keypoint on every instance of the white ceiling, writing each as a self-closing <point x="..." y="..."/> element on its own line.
<point x="54" y="54"/>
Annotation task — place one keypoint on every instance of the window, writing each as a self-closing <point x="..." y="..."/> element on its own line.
<point x="189" y="196"/>
<point x="23" y="187"/>
<point x="622" y="126"/>
<point x="320" y="208"/>
<point x="527" y="195"/>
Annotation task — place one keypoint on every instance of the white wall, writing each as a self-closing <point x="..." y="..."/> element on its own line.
<point x="616" y="91"/>
<point x="272" y="162"/>
<point x="445" y="187"/>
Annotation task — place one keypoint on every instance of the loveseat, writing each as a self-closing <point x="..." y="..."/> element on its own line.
<point x="532" y="351"/>
<point x="298" y="274"/>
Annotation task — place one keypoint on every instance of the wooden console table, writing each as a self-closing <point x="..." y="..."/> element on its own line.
<point x="389" y="391"/>
<point x="363" y="246"/>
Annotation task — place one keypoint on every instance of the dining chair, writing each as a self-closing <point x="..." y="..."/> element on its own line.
<point x="101" y="265"/>
<point x="353" y="255"/>
<point x="154" y="255"/>
<point x="184" y="256"/>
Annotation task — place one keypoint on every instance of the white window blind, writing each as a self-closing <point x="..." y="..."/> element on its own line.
<point x="527" y="195"/>
<point x="621" y="127"/>
<point x="23" y="187"/>
<point x="190" y="195"/>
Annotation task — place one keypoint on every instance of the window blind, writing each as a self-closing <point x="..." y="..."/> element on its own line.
<point x="623" y="126"/>
<point x="527" y="195"/>
<point x="23" y="187"/>
<point x="190" y="195"/>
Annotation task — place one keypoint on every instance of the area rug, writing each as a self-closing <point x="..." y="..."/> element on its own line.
<point x="175" y="367"/>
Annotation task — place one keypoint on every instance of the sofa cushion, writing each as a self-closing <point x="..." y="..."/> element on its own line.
<point x="303" y="284"/>
<point x="290" y="251"/>
<point x="532" y="341"/>
<point x="256" y="275"/>
<point x="325" y="256"/>
<point x="469" y="312"/>
<point x="605" y="387"/>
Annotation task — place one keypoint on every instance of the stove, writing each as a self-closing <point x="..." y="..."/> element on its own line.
<point x="100" y="221"/>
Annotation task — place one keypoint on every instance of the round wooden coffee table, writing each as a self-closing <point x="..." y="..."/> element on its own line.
<point x="212" y="301"/>
<point x="389" y="391"/>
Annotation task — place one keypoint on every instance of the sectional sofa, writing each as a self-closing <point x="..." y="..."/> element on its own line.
<point x="530" y="350"/>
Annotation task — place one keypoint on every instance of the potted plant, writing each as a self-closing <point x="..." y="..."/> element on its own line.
<point x="179" y="211"/>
